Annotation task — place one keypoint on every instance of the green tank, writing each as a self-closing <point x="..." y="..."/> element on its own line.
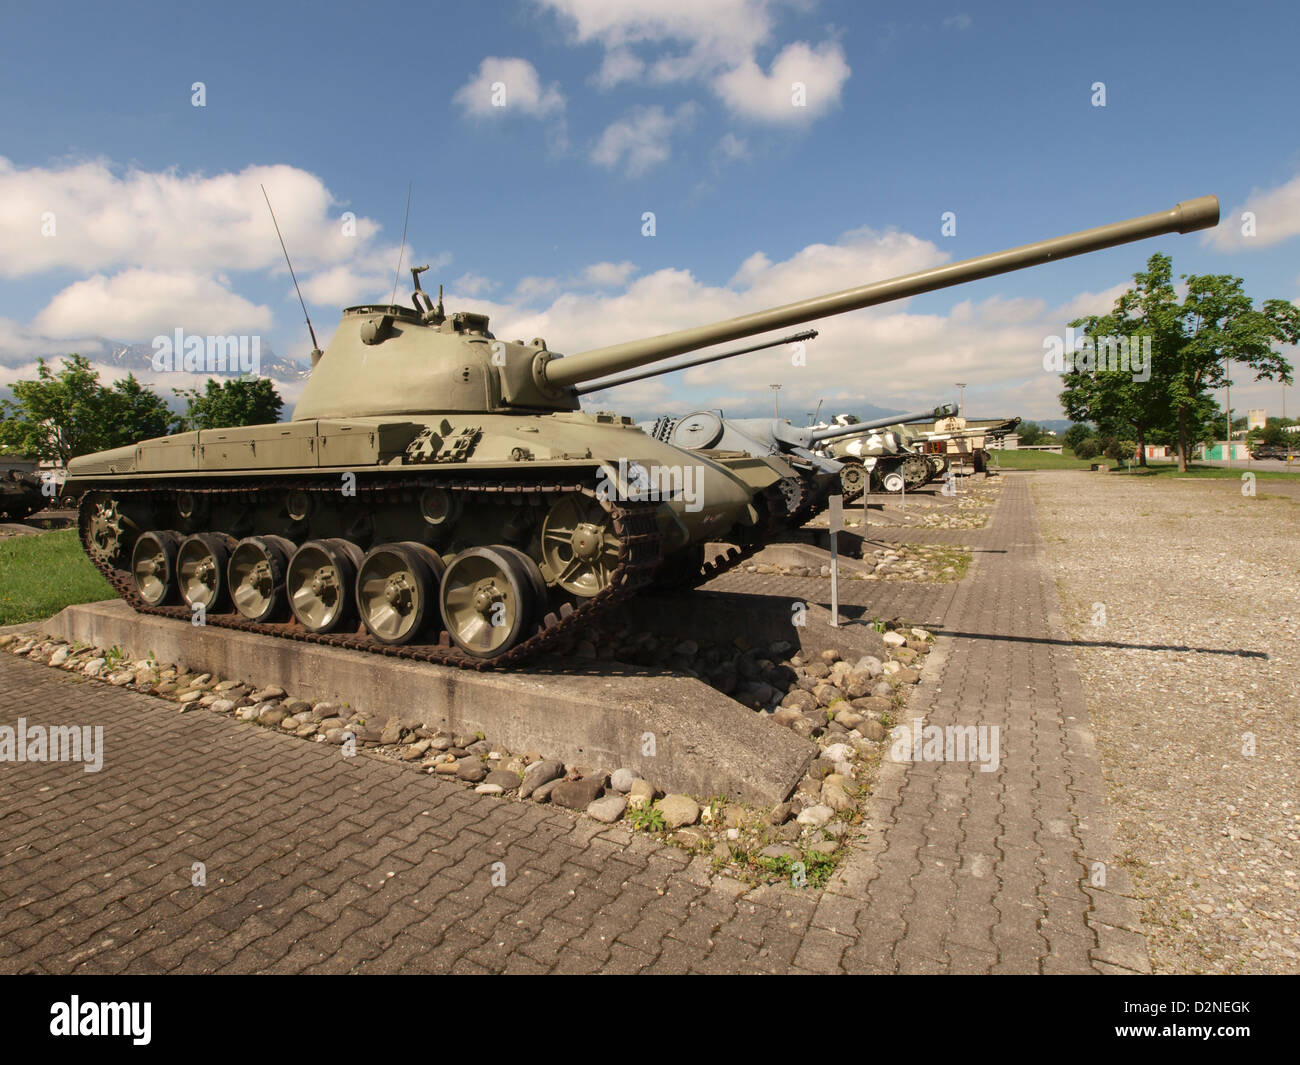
<point x="439" y="494"/>
<point x="20" y="493"/>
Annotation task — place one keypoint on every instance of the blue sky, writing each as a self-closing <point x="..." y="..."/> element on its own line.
<point x="533" y="211"/>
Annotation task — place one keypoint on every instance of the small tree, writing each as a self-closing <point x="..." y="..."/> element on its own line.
<point x="1030" y="433"/>
<point x="226" y="404"/>
<point x="1089" y="448"/>
<point x="1077" y="434"/>
<point x="134" y="412"/>
<point x="59" y="416"/>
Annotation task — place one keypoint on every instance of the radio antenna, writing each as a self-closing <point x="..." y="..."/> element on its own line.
<point x="314" y="346"/>
<point x="398" y="273"/>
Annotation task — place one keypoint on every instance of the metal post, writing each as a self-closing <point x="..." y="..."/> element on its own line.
<point x="836" y="522"/>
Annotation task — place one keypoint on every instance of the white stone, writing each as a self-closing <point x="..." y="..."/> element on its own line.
<point x="815" y="815"/>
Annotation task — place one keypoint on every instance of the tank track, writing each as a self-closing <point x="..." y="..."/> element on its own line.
<point x="640" y="552"/>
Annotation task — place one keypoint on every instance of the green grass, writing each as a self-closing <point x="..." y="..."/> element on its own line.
<point x="1045" y="460"/>
<point x="1170" y="469"/>
<point x="1040" y="460"/>
<point x="40" y="575"/>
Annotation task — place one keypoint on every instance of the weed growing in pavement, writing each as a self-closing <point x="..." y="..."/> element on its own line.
<point x="815" y="866"/>
<point x="646" y="818"/>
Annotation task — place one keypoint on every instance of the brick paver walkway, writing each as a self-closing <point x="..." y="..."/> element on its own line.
<point x="319" y="863"/>
<point x="973" y="871"/>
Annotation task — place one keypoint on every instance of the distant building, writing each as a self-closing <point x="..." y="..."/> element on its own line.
<point x="1159" y="451"/>
<point x="1218" y="451"/>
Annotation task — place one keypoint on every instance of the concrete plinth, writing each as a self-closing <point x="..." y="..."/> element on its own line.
<point x="676" y="731"/>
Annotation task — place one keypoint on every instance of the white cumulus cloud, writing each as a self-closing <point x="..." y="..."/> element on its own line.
<point x="146" y="303"/>
<point x="1276" y="218"/>
<point x="715" y="43"/>
<point x="642" y="139"/>
<point x="803" y="82"/>
<point x="508" y="85"/>
<point x="97" y="218"/>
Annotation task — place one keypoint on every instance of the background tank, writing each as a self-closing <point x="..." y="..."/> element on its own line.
<point x="20" y="492"/>
<point x="806" y="448"/>
<point x="443" y="487"/>
<point x="960" y="444"/>
<point x="885" y="456"/>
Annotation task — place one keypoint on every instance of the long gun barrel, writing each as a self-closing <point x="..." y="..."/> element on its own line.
<point x="1185" y="217"/>
<point x="627" y="379"/>
<point x="831" y="432"/>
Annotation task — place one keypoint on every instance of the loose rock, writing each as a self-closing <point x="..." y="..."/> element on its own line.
<point x="679" y="810"/>
<point x="608" y="809"/>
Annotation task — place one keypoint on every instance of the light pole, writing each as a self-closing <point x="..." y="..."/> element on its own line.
<point x="1227" y="402"/>
<point x="961" y="398"/>
<point x="776" y="390"/>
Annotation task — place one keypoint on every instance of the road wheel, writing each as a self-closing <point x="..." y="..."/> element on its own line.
<point x="397" y="587"/>
<point x="153" y="566"/>
<point x="487" y="601"/>
<point x="201" y="569"/>
<point x="255" y="577"/>
<point x="321" y="581"/>
<point x="853" y="480"/>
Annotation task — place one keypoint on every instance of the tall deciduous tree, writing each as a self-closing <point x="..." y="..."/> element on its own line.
<point x="67" y="413"/>
<point x="225" y="404"/>
<point x="1192" y="339"/>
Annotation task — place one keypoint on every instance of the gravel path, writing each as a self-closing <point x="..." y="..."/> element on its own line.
<point x="1193" y="661"/>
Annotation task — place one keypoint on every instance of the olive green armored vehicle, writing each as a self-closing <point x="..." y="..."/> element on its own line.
<point x="20" y="492"/>
<point x="439" y="494"/>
